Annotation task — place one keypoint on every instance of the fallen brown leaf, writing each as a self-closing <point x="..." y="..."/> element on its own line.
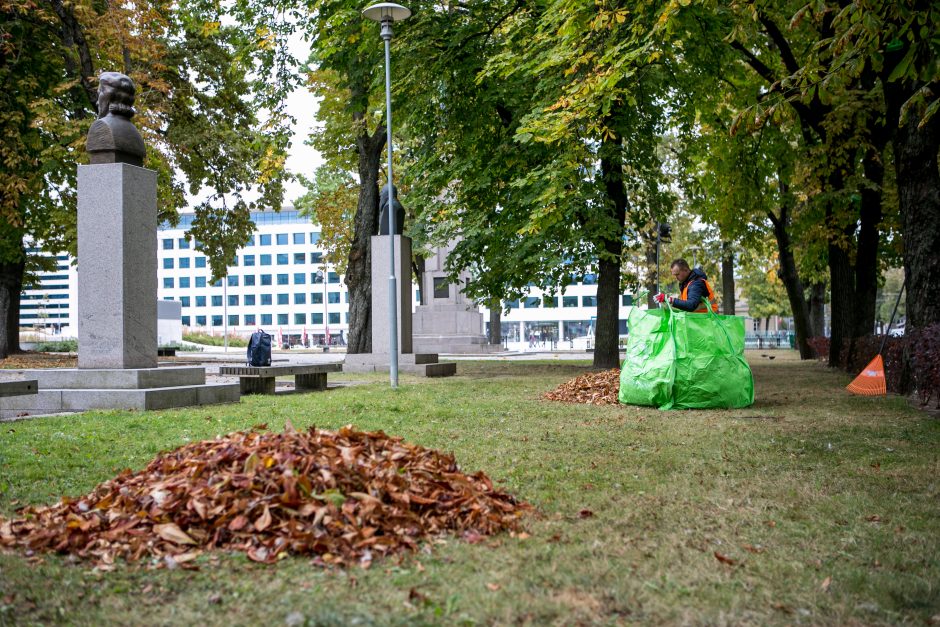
<point x="724" y="559"/>
<point x="824" y="586"/>
<point x="585" y="513"/>
<point x="493" y="587"/>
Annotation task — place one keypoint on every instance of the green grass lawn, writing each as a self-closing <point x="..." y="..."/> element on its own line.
<point x="812" y="506"/>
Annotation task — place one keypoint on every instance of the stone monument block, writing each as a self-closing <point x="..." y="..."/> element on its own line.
<point x="117" y="270"/>
<point x="381" y="270"/>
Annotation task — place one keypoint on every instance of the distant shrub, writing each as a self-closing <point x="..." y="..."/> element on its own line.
<point x="820" y="346"/>
<point x="215" y="340"/>
<point x="57" y="346"/>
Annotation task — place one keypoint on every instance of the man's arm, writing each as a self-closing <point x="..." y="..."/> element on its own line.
<point x="695" y="293"/>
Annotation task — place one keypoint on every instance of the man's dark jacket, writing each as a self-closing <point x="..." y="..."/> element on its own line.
<point x="697" y="291"/>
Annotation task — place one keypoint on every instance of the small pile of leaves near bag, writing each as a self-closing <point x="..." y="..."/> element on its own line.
<point x="342" y="497"/>
<point x="594" y="388"/>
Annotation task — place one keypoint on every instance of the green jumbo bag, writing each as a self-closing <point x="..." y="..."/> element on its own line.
<point x="681" y="360"/>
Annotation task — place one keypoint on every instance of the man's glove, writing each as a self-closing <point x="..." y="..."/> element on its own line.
<point x="659" y="297"/>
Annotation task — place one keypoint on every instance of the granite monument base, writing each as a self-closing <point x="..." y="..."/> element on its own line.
<point x="75" y="390"/>
<point x="419" y="364"/>
<point x="450" y="328"/>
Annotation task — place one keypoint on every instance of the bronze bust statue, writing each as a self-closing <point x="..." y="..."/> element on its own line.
<point x="383" y="211"/>
<point x="113" y="138"/>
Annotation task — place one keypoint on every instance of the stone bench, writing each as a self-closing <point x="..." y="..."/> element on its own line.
<point x="260" y="380"/>
<point x="19" y="388"/>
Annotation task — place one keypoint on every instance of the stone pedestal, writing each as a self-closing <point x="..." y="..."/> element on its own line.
<point x="381" y="271"/>
<point x="447" y="321"/>
<point x="425" y="365"/>
<point x="117" y="266"/>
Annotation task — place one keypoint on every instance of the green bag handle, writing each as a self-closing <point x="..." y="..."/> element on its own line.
<point x="671" y="322"/>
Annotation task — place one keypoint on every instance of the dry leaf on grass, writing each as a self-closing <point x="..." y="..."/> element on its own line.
<point x="343" y="497"/>
<point x="595" y="388"/>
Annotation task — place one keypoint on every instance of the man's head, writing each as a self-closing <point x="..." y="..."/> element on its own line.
<point x="115" y="94"/>
<point x="680" y="269"/>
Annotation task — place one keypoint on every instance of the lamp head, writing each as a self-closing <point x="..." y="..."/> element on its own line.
<point x="386" y="13"/>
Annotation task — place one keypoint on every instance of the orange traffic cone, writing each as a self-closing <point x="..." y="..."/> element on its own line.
<point x="871" y="381"/>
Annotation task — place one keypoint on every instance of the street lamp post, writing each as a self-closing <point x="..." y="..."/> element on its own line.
<point x="386" y="13"/>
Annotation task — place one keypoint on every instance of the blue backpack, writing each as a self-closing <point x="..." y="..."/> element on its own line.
<point x="259" y="349"/>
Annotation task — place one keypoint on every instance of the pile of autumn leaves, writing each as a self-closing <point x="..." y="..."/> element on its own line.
<point x="343" y="497"/>
<point x="594" y="388"/>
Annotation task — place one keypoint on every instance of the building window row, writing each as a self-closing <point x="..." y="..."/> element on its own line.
<point x="235" y="320"/>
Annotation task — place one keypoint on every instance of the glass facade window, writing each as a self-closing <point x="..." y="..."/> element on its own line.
<point x="589" y="301"/>
<point x="283" y="299"/>
<point x="334" y="317"/>
<point x="589" y="279"/>
<point x="300" y="318"/>
<point x="574" y="329"/>
<point x="185" y="321"/>
<point x="248" y="260"/>
<point x="200" y="262"/>
<point x="217" y="283"/>
<point x="184" y="282"/>
<point x="283" y="279"/>
<point x="282" y="239"/>
<point x="184" y="301"/>
<point x="233" y="300"/>
<point x="316" y="257"/>
<point x="168" y="283"/>
<point x="549" y="301"/>
<point x="216" y="300"/>
<point x="266" y="319"/>
<point x="265" y="279"/>
<point x="511" y="304"/>
<point x="300" y="298"/>
<point x="183" y="243"/>
<point x="249" y="301"/>
<point x="233" y="320"/>
<point x="531" y="302"/>
<point x="300" y="278"/>
<point x="282" y="259"/>
<point x="235" y="261"/>
<point x="216" y="321"/>
<point x="569" y="301"/>
<point x="249" y="320"/>
<point x="314" y="238"/>
<point x="298" y="238"/>
<point x="200" y="301"/>
<point x="168" y="262"/>
<point x="627" y="300"/>
<point x="184" y="262"/>
<point x="200" y="321"/>
<point x="200" y="281"/>
<point x="299" y="258"/>
<point x="265" y="299"/>
<point x="168" y="244"/>
<point x="232" y="280"/>
<point x="333" y="277"/>
<point x="251" y="240"/>
<point x="265" y="239"/>
<point x="316" y="318"/>
<point x="282" y="318"/>
<point x="265" y="260"/>
<point x="333" y="298"/>
<point x="316" y="298"/>
<point x="249" y="280"/>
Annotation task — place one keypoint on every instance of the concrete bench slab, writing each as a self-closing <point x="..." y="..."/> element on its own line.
<point x="261" y="379"/>
<point x="19" y="388"/>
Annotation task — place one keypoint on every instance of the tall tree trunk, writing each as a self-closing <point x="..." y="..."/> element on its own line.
<point x="359" y="268"/>
<point x="651" y="270"/>
<point x="496" y="332"/>
<point x="607" y="331"/>
<point x="11" y="284"/>
<point x="841" y="304"/>
<point x="866" y="255"/>
<point x="791" y="281"/>
<point x="918" y="180"/>
<point x="817" y="308"/>
<point x="727" y="279"/>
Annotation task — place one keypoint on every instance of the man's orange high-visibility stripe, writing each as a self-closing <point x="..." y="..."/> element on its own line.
<point x="702" y="306"/>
